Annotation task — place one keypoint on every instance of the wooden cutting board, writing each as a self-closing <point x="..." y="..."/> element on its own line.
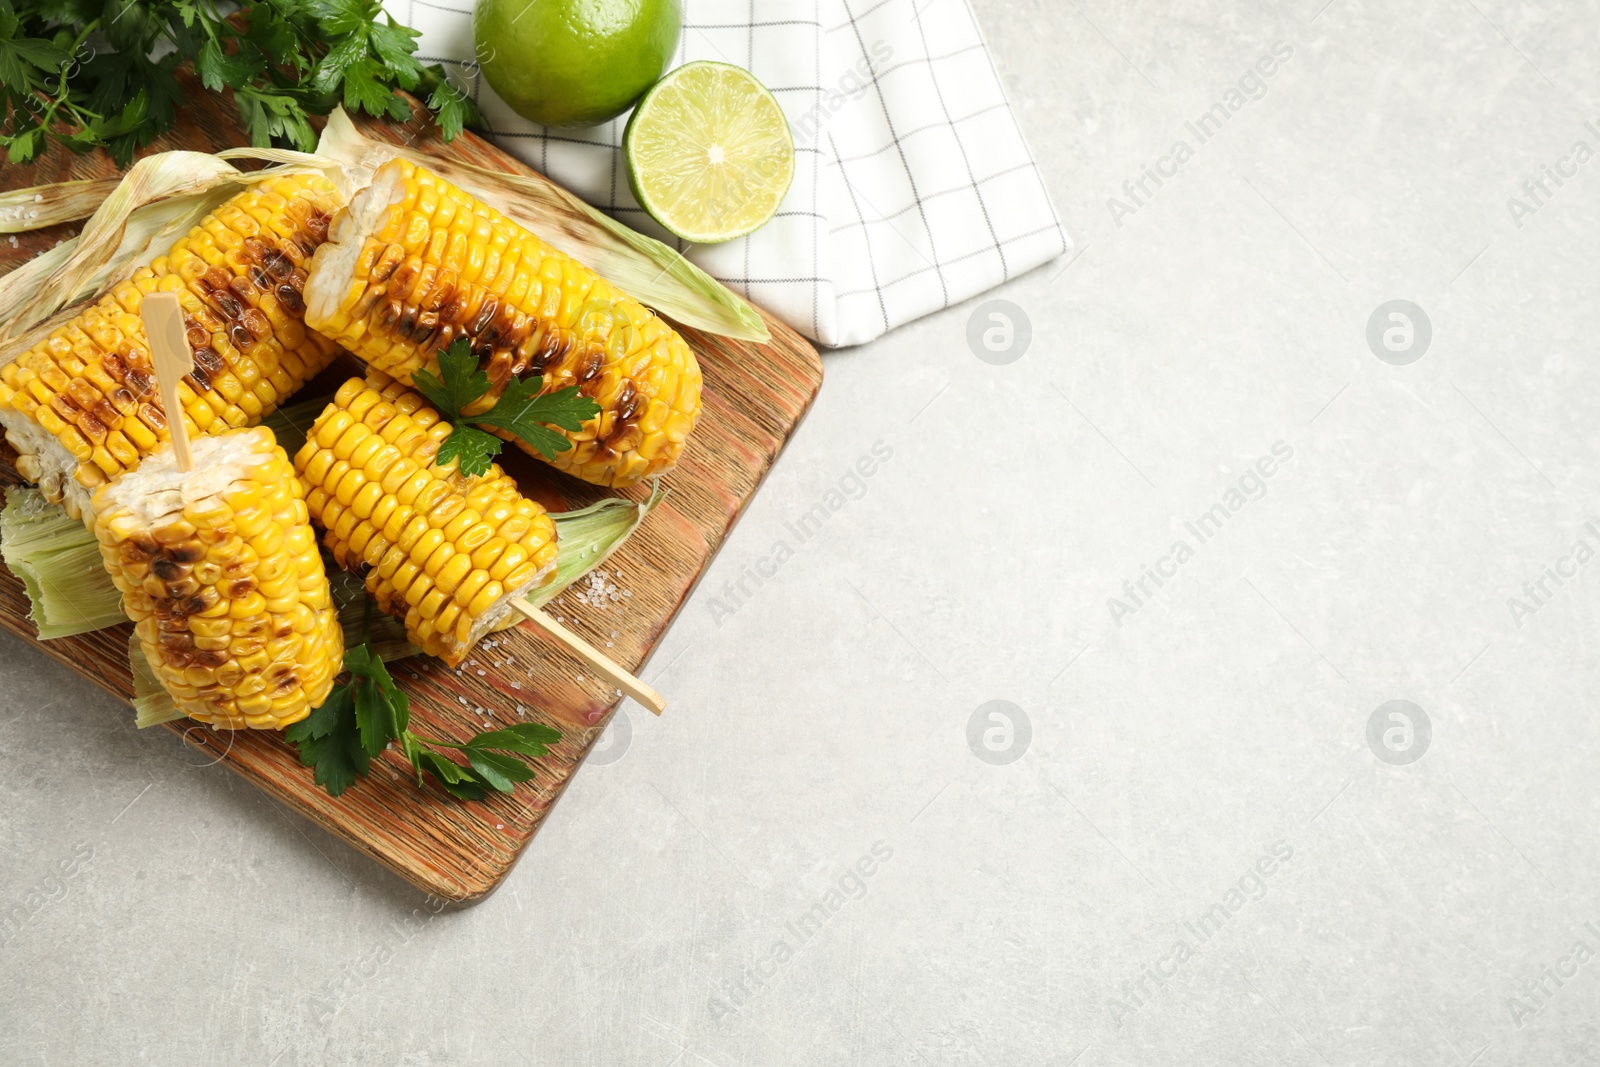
<point x="755" y="395"/>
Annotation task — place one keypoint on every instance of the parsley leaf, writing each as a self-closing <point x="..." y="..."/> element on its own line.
<point x="364" y="88"/>
<point x="24" y="61"/>
<point x="329" y="742"/>
<point x="217" y="69"/>
<point x="338" y="59"/>
<point x="455" y="109"/>
<point x="499" y="771"/>
<point x="462" y="381"/>
<point x="79" y="72"/>
<point x="360" y="718"/>
<point x="338" y="17"/>
<point x="520" y="409"/>
<point x="460" y="782"/>
<point x="528" y="738"/>
<point x="473" y="449"/>
<point x="272" y="116"/>
<point x="394" y="45"/>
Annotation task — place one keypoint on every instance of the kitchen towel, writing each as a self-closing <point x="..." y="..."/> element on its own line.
<point x="913" y="187"/>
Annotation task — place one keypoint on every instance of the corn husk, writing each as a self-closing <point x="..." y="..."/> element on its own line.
<point x="587" y="537"/>
<point x="133" y="220"/>
<point x="59" y="564"/>
<point x="39" y="206"/>
<point x="152" y="705"/>
<point x="640" y="266"/>
<point x="159" y="199"/>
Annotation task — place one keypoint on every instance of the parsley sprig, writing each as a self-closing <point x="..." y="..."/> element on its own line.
<point x="520" y="410"/>
<point x="80" y="72"/>
<point x="363" y="716"/>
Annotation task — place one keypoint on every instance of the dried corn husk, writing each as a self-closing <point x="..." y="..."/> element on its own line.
<point x="640" y="266"/>
<point x="39" y="206"/>
<point x="157" y="201"/>
<point x="162" y="195"/>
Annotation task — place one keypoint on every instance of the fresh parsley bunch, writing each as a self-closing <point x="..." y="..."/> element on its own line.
<point x="101" y="73"/>
<point x="520" y="410"/>
<point x="361" y="717"/>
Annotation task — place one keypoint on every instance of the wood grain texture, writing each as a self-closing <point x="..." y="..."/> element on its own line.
<point x="755" y="395"/>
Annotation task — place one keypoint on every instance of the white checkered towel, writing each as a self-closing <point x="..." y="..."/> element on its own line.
<point x="913" y="187"/>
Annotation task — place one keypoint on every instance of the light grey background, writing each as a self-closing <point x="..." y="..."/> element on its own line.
<point x="1171" y="748"/>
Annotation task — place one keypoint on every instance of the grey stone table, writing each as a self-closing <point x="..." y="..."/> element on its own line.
<point x="1286" y="592"/>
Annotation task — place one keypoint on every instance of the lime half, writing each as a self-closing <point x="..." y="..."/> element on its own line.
<point x="709" y="152"/>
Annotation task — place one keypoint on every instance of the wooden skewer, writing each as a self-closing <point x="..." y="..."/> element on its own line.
<point x="608" y="670"/>
<point x="169" y="351"/>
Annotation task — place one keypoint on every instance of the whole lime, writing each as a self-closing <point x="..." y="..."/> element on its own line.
<point x="574" y="62"/>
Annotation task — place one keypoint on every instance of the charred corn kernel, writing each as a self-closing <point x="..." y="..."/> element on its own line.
<point x="414" y="263"/>
<point x="429" y="537"/>
<point x="225" y="617"/>
<point x="83" y="405"/>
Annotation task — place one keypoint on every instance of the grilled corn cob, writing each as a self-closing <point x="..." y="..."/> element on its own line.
<point x="442" y="551"/>
<point x="219" y="571"/>
<point x="82" y="407"/>
<point x="415" y="262"/>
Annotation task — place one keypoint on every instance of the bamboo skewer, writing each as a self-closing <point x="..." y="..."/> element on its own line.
<point x="169" y="351"/>
<point x="608" y="670"/>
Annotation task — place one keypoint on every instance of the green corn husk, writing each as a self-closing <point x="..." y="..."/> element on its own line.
<point x="152" y="706"/>
<point x="59" y="564"/>
<point x="587" y="537"/>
